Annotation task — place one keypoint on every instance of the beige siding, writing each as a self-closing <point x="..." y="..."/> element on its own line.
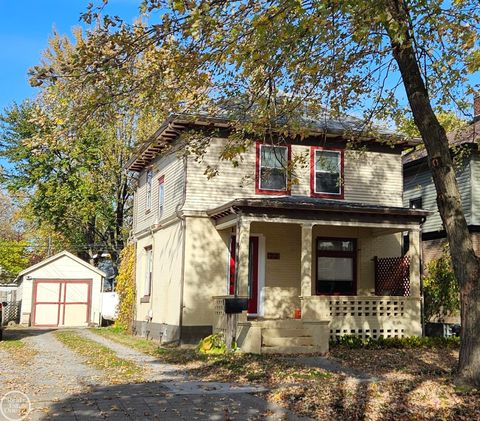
<point x="166" y="276"/>
<point x="370" y="177"/>
<point x="171" y="167"/>
<point x="206" y="263"/>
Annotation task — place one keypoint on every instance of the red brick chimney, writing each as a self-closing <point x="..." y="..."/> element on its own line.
<point x="476" y="107"/>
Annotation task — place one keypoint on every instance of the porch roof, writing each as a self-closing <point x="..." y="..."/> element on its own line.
<point x="313" y="208"/>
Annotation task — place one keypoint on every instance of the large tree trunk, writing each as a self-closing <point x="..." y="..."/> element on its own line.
<point x="465" y="263"/>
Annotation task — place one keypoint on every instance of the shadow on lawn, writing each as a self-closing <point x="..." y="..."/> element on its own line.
<point x="155" y="401"/>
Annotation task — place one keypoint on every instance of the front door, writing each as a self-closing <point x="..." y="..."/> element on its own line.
<point x="252" y="273"/>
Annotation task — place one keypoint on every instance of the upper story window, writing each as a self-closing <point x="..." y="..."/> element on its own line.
<point x="272" y="163"/>
<point x="326" y="168"/>
<point x="416" y="203"/>
<point x="161" y="196"/>
<point x="148" y="194"/>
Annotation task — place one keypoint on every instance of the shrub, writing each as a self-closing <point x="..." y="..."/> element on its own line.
<point x="213" y="344"/>
<point x="441" y="292"/>
<point x="355" y="342"/>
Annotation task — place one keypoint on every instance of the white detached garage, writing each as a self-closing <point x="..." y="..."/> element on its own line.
<point x="62" y="290"/>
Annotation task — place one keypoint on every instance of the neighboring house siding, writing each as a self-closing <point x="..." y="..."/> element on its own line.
<point x="171" y="167"/>
<point x="418" y="183"/>
<point x="475" y="171"/>
<point x="369" y="177"/>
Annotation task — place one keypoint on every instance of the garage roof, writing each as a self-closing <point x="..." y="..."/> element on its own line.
<point x="58" y="256"/>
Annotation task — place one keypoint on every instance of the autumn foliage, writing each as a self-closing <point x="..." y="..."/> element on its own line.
<point x="125" y="287"/>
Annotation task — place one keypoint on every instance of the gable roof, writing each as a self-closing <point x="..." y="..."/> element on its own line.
<point x="469" y="135"/>
<point x="64" y="253"/>
<point x="176" y="123"/>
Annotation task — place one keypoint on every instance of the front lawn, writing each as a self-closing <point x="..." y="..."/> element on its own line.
<point x="407" y="383"/>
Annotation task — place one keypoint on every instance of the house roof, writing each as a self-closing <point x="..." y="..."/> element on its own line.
<point x="469" y="135"/>
<point x="64" y="253"/>
<point x="176" y="123"/>
<point x="316" y="205"/>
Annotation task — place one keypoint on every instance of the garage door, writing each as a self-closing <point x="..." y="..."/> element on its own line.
<point x="63" y="302"/>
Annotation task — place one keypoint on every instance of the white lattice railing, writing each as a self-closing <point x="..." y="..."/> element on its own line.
<point x="365" y="316"/>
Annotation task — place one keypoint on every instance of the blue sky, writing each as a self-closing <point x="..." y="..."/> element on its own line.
<point x="25" y="26"/>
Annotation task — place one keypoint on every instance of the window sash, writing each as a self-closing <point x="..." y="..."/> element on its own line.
<point x="148" y="198"/>
<point x="327" y="168"/>
<point x="161" y="198"/>
<point x="148" y="271"/>
<point x="272" y="168"/>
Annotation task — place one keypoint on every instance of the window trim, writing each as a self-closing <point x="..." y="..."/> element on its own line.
<point x="258" y="188"/>
<point x="313" y="193"/>
<point x="161" y="205"/>
<point x="148" y="192"/>
<point x="337" y="254"/>
<point x="149" y="273"/>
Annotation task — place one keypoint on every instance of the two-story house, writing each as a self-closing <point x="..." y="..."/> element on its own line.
<point x="419" y="189"/>
<point x="318" y="258"/>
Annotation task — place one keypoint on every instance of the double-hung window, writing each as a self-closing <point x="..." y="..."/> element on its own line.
<point x="147" y="288"/>
<point x="272" y="164"/>
<point x="161" y="196"/>
<point x="326" y="173"/>
<point x="148" y="193"/>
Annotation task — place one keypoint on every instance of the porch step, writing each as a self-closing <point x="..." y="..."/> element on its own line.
<point x="286" y="341"/>
<point x="305" y="349"/>
<point x="278" y="324"/>
<point x="283" y="333"/>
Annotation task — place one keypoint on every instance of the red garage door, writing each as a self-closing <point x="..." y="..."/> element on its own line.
<point x="61" y="302"/>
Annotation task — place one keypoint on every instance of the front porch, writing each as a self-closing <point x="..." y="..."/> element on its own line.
<point x="310" y="280"/>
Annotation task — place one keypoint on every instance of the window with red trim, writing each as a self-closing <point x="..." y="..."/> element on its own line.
<point x="327" y="173"/>
<point x="272" y="164"/>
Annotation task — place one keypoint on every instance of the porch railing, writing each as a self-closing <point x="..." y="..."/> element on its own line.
<point x="365" y="316"/>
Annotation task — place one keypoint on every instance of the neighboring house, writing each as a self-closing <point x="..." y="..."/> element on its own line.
<point x="62" y="290"/>
<point x="420" y="193"/>
<point x="327" y="249"/>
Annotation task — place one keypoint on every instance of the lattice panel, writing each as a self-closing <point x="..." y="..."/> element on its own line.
<point x="368" y="333"/>
<point x="367" y="308"/>
<point x="392" y="276"/>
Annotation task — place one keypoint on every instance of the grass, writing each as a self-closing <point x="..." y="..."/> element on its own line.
<point x="18" y="350"/>
<point x="415" y="379"/>
<point x="115" y="369"/>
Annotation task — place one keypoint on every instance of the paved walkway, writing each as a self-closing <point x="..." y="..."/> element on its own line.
<point x="61" y="387"/>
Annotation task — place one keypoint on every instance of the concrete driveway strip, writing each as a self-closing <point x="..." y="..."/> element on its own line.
<point x="195" y="399"/>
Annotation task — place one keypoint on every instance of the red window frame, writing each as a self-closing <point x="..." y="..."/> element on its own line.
<point x="313" y="193"/>
<point x="258" y="189"/>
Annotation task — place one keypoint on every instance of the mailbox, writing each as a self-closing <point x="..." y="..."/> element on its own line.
<point x="235" y="305"/>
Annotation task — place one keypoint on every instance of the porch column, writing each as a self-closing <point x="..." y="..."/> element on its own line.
<point x="414" y="253"/>
<point x="242" y="256"/>
<point x="306" y="260"/>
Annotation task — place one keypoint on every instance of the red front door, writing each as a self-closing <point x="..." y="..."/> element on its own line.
<point x="252" y="273"/>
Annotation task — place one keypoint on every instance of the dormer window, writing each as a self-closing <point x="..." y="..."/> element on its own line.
<point x="326" y="173"/>
<point x="272" y="164"/>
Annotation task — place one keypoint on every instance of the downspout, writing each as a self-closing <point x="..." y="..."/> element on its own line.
<point x="181" y="217"/>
